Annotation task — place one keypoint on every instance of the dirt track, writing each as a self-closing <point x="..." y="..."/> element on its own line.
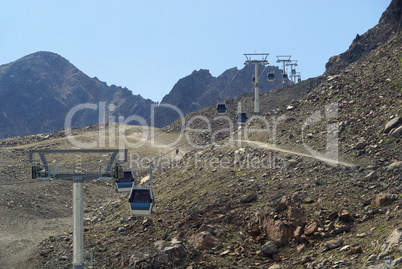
<point x="276" y="148"/>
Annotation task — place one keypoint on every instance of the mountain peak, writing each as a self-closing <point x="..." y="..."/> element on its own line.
<point x="389" y="24"/>
<point x="42" y="56"/>
<point x="42" y="87"/>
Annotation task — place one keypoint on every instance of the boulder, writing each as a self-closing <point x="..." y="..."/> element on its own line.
<point x="278" y="231"/>
<point x="204" y="241"/>
<point x="394" y="165"/>
<point x="345" y="216"/>
<point x="334" y="243"/>
<point x="397" y="132"/>
<point x="392" y="123"/>
<point x="176" y="251"/>
<point x="384" y="199"/>
<point x="248" y="198"/>
<point x="372" y="175"/>
<point x="393" y="240"/>
<point x="311" y="228"/>
<point x="292" y="162"/>
<point x="269" y="248"/>
<point x="396" y="262"/>
<point x="359" y="145"/>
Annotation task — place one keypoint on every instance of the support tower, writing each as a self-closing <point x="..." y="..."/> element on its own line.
<point x="250" y="59"/>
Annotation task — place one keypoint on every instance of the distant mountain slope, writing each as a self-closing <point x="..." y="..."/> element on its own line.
<point x="389" y="24"/>
<point x="201" y="89"/>
<point x="38" y="90"/>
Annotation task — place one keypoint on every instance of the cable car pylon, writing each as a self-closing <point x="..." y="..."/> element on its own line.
<point x="256" y="62"/>
<point x="284" y="59"/>
<point x="293" y="74"/>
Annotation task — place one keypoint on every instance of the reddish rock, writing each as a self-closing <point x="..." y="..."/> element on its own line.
<point x="278" y="231"/>
<point x="204" y="241"/>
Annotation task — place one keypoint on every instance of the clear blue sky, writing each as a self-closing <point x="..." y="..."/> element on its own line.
<point x="147" y="46"/>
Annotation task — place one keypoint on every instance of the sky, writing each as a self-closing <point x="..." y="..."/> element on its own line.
<point x="147" y="46"/>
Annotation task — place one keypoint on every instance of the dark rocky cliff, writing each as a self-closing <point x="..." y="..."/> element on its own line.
<point x="389" y="25"/>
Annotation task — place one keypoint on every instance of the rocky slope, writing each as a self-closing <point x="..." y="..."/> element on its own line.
<point x="389" y="24"/>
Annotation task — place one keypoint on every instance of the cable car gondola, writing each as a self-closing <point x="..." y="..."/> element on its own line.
<point x="294" y="71"/>
<point x="285" y="77"/>
<point x="125" y="182"/>
<point x="241" y="117"/>
<point x="271" y="77"/>
<point x="221" y="108"/>
<point x="141" y="199"/>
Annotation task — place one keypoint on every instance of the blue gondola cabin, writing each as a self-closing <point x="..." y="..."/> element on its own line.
<point x="221" y="108"/>
<point x="125" y="183"/>
<point x="241" y="117"/>
<point x="141" y="201"/>
<point x="271" y="77"/>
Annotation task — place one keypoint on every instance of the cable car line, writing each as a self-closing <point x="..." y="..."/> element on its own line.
<point x="221" y="106"/>
<point x="219" y="93"/>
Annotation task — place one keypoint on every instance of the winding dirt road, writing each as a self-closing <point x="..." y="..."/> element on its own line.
<point x="276" y="148"/>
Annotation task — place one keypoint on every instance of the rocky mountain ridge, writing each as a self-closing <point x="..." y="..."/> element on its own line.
<point x="201" y="89"/>
<point x="39" y="90"/>
<point x="388" y="25"/>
